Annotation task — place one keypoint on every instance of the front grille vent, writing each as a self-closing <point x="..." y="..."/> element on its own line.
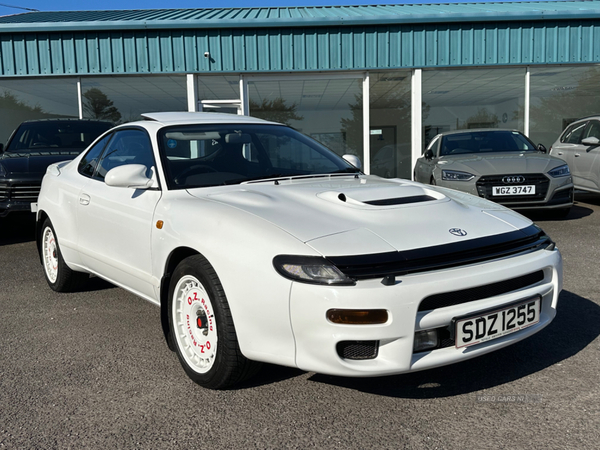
<point x="358" y="350"/>
<point x="480" y="292"/>
<point x="3" y="191"/>
<point x="485" y="186"/>
<point x="401" y="200"/>
<point x="25" y="192"/>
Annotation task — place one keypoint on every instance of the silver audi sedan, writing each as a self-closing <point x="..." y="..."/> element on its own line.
<point x="500" y="165"/>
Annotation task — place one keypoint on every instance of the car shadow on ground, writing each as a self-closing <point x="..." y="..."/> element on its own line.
<point x="17" y="228"/>
<point x="554" y="344"/>
<point x="96" y="284"/>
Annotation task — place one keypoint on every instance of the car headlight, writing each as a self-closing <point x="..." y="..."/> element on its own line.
<point x="310" y="269"/>
<point x="560" y="171"/>
<point x="455" y="175"/>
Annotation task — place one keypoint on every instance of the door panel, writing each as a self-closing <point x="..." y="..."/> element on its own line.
<point x="116" y="223"/>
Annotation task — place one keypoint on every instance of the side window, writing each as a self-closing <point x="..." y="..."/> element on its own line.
<point x="126" y="147"/>
<point x="434" y="145"/>
<point x="89" y="162"/>
<point x="593" y="130"/>
<point x="574" y="133"/>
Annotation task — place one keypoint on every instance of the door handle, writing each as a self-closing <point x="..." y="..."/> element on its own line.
<point x="84" y="199"/>
<point x="559" y="153"/>
<point x="577" y="155"/>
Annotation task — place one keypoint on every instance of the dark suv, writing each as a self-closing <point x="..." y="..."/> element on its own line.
<point x="32" y="147"/>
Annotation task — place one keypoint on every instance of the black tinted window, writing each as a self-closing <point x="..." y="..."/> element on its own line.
<point x="56" y="135"/>
<point x="593" y="130"/>
<point x="485" y="142"/>
<point x="573" y="133"/>
<point x="126" y="147"/>
<point x="89" y="162"/>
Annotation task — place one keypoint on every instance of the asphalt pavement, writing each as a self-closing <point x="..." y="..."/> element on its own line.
<point x="91" y="370"/>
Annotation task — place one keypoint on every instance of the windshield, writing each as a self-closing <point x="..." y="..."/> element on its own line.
<point x="218" y="154"/>
<point x="485" y="142"/>
<point x="56" y="136"/>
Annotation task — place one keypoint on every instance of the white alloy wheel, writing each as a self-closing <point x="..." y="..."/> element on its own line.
<point x="50" y="254"/>
<point x="201" y="328"/>
<point x="59" y="276"/>
<point x="195" y="324"/>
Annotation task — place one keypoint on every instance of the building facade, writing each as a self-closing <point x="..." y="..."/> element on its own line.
<point x="375" y="81"/>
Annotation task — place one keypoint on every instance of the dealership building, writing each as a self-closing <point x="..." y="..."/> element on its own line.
<point x="375" y="81"/>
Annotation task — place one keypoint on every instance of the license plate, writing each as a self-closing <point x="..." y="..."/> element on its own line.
<point x="494" y="324"/>
<point x="513" y="190"/>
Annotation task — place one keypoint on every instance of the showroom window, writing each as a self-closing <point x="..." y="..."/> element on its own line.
<point x="329" y="109"/>
<point x="389" y="130"/>
<point x="40" y="98"/>
<point x="124" y="99"/>
<point x="474" y="98"/>
<point x="559" y="96"/>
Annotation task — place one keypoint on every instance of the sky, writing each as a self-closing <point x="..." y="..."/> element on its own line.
<point x="103" y="5"/>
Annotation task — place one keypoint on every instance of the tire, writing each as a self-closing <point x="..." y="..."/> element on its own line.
<point x="59" y="276"/>
<point x="202" y="328"/>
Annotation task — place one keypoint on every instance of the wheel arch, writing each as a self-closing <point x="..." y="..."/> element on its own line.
<point x="174" y="258"/>
<point x="41" y="217"/>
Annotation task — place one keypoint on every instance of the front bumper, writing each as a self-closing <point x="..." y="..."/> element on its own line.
<point x="14" y="206"/>
<point x="557" y="193"/>
<point x="18" y="194"/>
<point x="317" y="339"/>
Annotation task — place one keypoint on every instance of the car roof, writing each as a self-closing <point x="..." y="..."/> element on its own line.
<point x="175" y="118"/>
<point x="67" y="119"/>
<point x="476" y="130"/>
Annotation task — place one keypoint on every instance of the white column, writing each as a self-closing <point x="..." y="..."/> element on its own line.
<point x="192" y="93"/>
<point x="526" y="103"/>
<point x="416" y="115"/>
<point x="79" y="98"/>
<point x="244" y="97"/>
<point x="366" y="125"/>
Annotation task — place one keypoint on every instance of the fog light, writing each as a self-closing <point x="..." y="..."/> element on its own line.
<point x="357" y="317"/>
<point x="425" y="340"/>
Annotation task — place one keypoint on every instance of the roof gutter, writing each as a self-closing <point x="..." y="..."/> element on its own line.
<point x="388" y="20"/>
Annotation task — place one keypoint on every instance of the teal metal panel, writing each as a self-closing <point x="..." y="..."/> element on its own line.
<point x="81" y="54"/>
<point x="311" y="43"/>
<point x="286" y="49"/>
<point x="20" y="55"/>
<point x="57" y="59"/>
<point x="33" y="63"/>
<point x="69" y="60"/>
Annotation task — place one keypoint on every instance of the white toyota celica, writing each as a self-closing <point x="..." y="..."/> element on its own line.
<point x="261" y="245"/>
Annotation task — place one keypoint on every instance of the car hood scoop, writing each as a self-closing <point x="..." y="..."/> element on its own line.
<point x="358" y="198"/>
<point x="349" y="216"/>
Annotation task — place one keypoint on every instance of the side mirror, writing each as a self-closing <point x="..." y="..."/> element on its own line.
<point x="129" y="176"/>
<point x="354" y="160"/>
<point x="541" y="148"/>
<point x="428" y="154"/>
<point x="590" y="141"/>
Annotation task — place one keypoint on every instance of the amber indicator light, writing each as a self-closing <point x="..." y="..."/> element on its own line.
<point x="159" y="224"/>
<point x="357" y="317"/>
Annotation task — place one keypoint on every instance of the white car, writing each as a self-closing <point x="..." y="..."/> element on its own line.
<point x="261" y="245"/>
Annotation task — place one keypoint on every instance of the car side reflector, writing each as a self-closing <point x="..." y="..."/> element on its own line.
<point x="159" y="224"/>
<point x="357" y="317"/>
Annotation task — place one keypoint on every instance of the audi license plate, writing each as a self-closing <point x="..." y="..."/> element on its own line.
<point x="513" y="190"/>
<point x="492" y="325"/>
